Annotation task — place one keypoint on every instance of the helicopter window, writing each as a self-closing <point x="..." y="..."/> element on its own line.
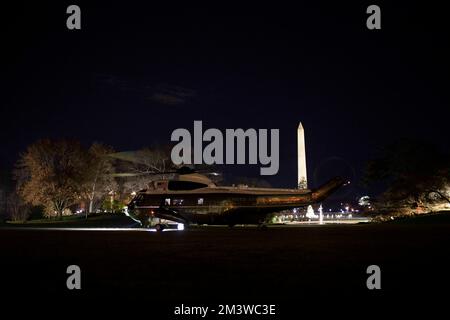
<point x="200" y="201"/>
<point x="167" y="202"/>
<point x="178" y="202"/>
<point x="185" y="185"/>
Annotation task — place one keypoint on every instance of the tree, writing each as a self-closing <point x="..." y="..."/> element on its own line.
<point x="50" y="173"/>
<point x="3" y="195"/>
<point x="151" y="161"/>
<point x="3" y="203"/>
<point x="411" y="171"/>
<point x="17" y="209"/>
<point x="141" y="167"/>
<point x="98" y="178"/>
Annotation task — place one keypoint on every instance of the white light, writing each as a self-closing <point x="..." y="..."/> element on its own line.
<point x="180" y="226"/>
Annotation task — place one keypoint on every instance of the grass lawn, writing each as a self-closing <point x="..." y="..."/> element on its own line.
<point x="94" y="221"/>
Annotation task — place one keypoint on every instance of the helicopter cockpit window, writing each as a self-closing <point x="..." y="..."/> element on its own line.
<point x="185" y="185"/>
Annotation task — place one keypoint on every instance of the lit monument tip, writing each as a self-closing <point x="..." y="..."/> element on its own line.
<point x="302" y="181"/>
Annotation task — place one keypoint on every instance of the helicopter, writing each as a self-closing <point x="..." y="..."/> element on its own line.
<point x="189" y="197"/>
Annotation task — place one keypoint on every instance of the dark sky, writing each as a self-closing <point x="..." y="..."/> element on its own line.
<point x="135" y="72"/>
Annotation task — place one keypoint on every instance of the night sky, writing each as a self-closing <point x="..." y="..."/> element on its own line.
<point x="136" y="72"/>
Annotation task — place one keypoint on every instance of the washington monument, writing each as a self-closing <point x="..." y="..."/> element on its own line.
<point x="302" y="181"/>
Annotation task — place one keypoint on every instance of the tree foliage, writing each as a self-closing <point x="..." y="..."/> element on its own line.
<point x="50" y="173"/>
<point x="17" y="209"/>
<point x="411" y="171"/>
<point x="59" y="173"/>
<point x="144" y="167"/>
<point x="97" y="180"/>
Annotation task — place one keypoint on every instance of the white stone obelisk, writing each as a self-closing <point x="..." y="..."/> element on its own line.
<point x="301" y="158"/>
<point x="320" y="214"/>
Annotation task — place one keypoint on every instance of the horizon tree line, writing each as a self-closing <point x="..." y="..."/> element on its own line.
<point x="57" y="175"/>
<point x="54" y="176"/>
